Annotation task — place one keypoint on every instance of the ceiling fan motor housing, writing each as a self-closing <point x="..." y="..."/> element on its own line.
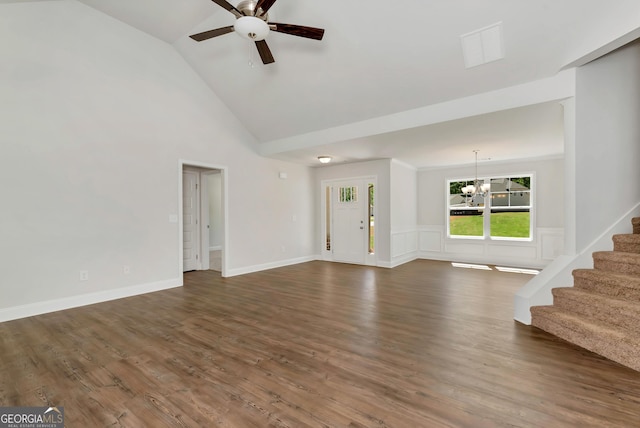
<point x="248" y="7"/>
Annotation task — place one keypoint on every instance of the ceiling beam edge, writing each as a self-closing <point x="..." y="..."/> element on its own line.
<point x="555" y="88"/>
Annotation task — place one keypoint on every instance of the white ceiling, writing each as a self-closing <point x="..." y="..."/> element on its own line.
<point x="381" y="58"/>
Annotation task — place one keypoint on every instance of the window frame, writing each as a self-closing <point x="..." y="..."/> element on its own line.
<point x="488" y="206"/>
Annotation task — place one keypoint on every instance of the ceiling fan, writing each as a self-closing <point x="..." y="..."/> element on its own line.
<point x="252" y="23"/>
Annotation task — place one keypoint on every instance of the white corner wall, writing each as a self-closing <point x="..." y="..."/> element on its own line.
<point x="607" y="141"/>
<point x="607" y="155"/>
<point x="404" y="211"/>
<point x="216" y="232"/>
<point x="94" y="118"/>
<point x="547" y="242"/>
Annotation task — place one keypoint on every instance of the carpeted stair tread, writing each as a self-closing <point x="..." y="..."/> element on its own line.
<point x="601" y="312"/>
<point x="617" y="344"/>
<point x="605" y="309"/>
<point x="608" y="283"/>
<point x="617" y="261"/>
<point x="627" y="243"/>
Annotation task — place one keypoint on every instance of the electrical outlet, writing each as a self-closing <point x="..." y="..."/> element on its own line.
<point x="84" y="275"/>
<point x="126" y="269"/>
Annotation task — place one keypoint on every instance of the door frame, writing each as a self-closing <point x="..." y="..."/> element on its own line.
<point x="370" y="259"/>
<point x="182" y="164"/>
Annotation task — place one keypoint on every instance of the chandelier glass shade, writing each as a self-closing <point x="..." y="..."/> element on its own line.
<point x="476" y="188"/>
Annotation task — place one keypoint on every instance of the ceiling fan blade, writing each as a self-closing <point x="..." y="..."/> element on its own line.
<point x="212" y="33"/>
<point x="265" y="52"/>
<point x="228" y="6"/>
<point x="265" y="5"/>
<point x="298" y="30"/>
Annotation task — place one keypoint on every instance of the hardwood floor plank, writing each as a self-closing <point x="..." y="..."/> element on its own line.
<point x="315" y="344"/>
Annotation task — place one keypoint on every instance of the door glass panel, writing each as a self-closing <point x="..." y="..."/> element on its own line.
<point x="371" y="221"/>
<point x="328" y="218"/>
<point x="348" y="194"/>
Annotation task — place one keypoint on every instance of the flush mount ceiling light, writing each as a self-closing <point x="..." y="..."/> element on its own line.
<point x="476" y="188"/>
<point x="324" y="159"/>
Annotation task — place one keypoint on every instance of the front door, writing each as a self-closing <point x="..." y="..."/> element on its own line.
<point x="350" y="227"/>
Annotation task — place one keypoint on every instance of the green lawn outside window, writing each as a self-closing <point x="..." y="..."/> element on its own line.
<point x="503" y="224"/>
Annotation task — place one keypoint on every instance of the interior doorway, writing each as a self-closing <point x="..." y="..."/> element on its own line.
<point x="202" y="217"/>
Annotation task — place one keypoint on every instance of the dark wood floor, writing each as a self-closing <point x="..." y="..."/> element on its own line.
<point x="316" y="344"/>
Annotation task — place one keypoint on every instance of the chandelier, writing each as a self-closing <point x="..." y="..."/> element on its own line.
<point x="476" y="188"/>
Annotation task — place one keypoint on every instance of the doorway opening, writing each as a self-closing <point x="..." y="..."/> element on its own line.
<point x="202" y="217"/>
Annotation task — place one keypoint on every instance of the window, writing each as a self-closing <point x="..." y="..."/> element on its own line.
<point x="505" y="213"/>
<point x="466" y="213"/>
<point x="511" y="207"/>
<point x="348" y="194"/>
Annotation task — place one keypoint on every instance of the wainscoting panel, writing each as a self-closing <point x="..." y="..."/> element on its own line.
<point x="551" y="243"/>
<point x="404" y="247"/>
<point x="465" y="248"/>
<point x="502" y="251"/>
<point x="547" y="245"/>
<point x="403" y="243"/>
<point x="431" y="240"/>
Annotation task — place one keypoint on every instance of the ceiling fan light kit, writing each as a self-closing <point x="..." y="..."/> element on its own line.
<point x="252" y="23"/>
<point x="251" y="28"/>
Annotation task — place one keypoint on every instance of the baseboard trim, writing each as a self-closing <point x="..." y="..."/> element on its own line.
<point x="40" y="308"/>
<point x="397" y="261"/>
<point x="267" y="266"/>
<point x="511" y="262"/>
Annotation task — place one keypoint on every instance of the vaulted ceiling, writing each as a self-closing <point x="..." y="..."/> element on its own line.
<point x="380" y="63"/>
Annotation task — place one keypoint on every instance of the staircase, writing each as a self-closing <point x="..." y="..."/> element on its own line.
<point x="601" y="312"/>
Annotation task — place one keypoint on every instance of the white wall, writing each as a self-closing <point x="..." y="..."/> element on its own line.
<point x="94" y="118"/>
<point x="548" y="221"/>
<point x="379" y="169"/>
<point x="607" y="141"/>
<point x="404" y="194"/>
<point x="607" y="155"/>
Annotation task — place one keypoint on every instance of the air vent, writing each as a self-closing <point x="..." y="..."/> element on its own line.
<point x="483" y="45"/>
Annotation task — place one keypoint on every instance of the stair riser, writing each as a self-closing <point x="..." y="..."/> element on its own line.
<point x="607" y="289"/>
<point x="626" y="247"/>
<point x="617" y="267"/>
<point x="625" y="287"/>
<point x="619" y="317"/>
<point x="613" y="349"/>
